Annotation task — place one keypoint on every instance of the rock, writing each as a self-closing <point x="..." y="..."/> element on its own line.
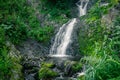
<point x="32" y="48"/>
<point x="13" y="52"/>
<point x="110" y="17"/>
<point x="30" y="77"/>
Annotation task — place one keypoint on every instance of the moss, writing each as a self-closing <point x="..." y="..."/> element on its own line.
<point x="48" y="65"/>
<point x="47" y="73"/>
<point x="77" y="67"/>
<point x="81" y="77"/>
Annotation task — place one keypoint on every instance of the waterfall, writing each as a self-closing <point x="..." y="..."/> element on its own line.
<point x="63" y="37"/>
<point x="82" y="7"/>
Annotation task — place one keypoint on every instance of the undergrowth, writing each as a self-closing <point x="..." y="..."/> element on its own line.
<point x="99" y="42"/>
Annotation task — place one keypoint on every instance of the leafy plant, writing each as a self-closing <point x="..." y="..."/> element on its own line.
<point x="100" y="45"/>
<point x="41" y="34"/>
<point x="103" y="68"/>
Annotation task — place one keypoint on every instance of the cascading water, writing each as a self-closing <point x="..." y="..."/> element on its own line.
<point x="82" y="7"/>
<point x="63" y="37"/>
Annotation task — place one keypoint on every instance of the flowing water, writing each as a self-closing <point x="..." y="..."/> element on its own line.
<point x="63" y="37"/>
<point x="82" y="7"/>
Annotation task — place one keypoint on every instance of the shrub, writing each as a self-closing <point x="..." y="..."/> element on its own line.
<point x="77" y="67"/>
<point x="42" y="34"/>
<point x="2" y="37"/>
<point x="102" y="68"/>
<point x="5" y="64"/>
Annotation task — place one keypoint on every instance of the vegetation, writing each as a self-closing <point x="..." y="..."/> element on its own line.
<point x="101" y="44"/>
<point x="99" y="41"/>
<point x="58" y="7"/>
<point x="77" y="67"/>
<point x="17" y="23"/>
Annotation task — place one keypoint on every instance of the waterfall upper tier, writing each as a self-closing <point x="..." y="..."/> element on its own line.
<point x="82" y="7"/>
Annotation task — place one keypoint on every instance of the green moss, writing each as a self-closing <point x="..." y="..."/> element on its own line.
<point x="77" y="67"/>
<point x="48" y="65"/>
<point x="47" y="73"/>
<point x="81" y="77"/>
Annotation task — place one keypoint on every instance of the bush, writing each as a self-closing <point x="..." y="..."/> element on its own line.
<point x="117" y="78"/>
<point x="77" y="67"/>
<point x="5" y="64"/>
<point x="101" y="68"/>
<point x="2" y="37"/>
<point x="42" y="34"/>
<point x="101" y="44"/>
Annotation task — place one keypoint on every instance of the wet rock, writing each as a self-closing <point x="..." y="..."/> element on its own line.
<point x="30" y="77"/>
<point x="32" y="48"/>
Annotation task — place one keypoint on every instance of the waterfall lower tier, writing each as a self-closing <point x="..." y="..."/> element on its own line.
<point x="63" y="39"/>
<point x="82" y="7"/>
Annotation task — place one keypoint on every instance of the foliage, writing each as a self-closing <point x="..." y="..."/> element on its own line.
<point x="102" y="68"/>
<point x="117" y="78"/>
<point x="19" y="21"/>
<point x="77" y="67"/>
<point x="100" y="44"/>
<point x="97" y="11"/>
<point x="5" y="64"/>
<point x="2" y="37"/>
<point x="58" y="7"/>
<point x="41" y="34"/>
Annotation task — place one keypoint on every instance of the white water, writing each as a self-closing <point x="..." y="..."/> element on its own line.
<point x="82" y="7"/>
<point x="63" y="37"/>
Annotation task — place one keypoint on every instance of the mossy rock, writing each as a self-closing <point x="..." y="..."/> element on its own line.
<point x="45" y="73"/>
<point x="16" y="73"/>
<point x="81" y="77"/>
<point x="47" y="65"/>
<point x="77" y="67"/>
